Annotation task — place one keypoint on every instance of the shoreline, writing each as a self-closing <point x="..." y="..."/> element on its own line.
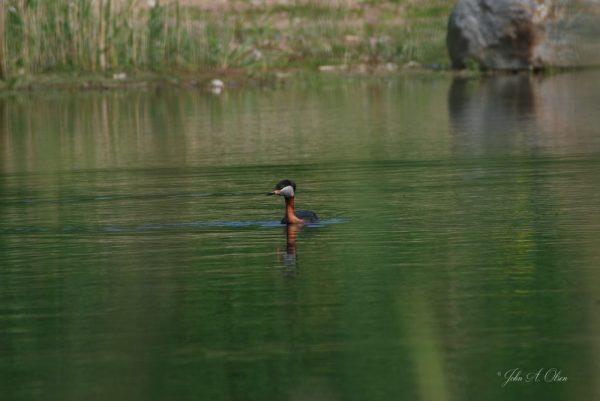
<point x="230" y="78"/>
<point x="239" y="78"/>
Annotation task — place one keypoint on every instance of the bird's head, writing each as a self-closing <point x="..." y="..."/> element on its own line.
<point x="285" y="188"/>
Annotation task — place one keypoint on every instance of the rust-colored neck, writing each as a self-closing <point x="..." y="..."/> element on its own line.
<point x="289" y="212"/>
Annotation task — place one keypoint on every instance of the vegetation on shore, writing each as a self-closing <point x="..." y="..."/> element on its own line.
<point x="108" y="37"/>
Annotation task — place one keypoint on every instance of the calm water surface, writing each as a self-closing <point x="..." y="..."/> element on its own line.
<point x="140" y="259"/>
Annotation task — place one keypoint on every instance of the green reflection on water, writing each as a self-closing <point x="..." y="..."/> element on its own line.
<point x="141" y="259"/>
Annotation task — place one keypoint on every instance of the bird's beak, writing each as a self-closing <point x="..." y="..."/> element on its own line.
<point x="275" y="192"/>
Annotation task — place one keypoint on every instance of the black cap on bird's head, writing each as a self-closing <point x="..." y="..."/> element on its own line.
<point x="285" y="183"/>
<point x="285" y="188"/>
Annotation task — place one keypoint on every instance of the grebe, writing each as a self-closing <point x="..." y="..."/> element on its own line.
<point x="287" y="188"/>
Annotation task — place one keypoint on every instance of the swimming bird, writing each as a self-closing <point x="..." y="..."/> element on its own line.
<point x="287" y="189"/>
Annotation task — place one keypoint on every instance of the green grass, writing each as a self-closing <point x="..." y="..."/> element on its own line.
<point x="105" y="36"/>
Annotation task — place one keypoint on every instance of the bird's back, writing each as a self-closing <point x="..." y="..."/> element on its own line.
<point x="307" y="216"/>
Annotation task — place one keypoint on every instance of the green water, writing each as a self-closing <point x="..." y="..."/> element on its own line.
<point x="460" y="239"/>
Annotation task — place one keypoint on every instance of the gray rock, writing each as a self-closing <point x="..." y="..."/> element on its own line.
<point x="523" y="34"/>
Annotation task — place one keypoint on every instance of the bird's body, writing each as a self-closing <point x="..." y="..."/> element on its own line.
<point x="306" y="216"/>
<point x="287" y="189"/>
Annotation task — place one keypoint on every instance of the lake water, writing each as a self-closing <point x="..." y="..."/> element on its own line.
<point x="460" y="240"/>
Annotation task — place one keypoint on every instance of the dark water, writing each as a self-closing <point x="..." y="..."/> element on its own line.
<point x="140" y="259"/>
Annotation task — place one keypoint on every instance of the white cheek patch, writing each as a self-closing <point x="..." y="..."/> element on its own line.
<point x="288" y="191"/>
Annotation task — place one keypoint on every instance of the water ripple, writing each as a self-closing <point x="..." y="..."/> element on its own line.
<point x="150" y="227"/>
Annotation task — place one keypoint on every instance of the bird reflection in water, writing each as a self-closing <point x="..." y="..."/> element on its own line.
<point x="290" y="262"/>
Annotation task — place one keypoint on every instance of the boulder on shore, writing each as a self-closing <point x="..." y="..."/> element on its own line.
<point x="524" y="34"/>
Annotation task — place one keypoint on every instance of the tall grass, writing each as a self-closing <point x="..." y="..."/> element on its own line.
<point x="88" y="36"/>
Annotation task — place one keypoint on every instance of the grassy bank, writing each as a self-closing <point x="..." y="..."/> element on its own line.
<point x="105" y="37"/>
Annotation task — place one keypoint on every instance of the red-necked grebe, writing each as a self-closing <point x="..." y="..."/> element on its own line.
<point x="287" y="189"/>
